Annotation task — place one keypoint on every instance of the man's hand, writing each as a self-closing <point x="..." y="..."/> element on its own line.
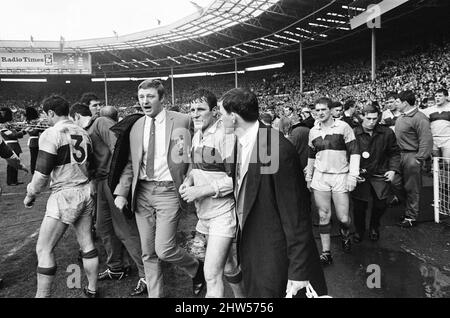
<point x="293" y="286"/>
<point x="29" y="201"/>
<point x="389" y="176"/>
<point x="23" y="168"/>
<point x="308" y="185"/>
<point x="190" y="194"/>
<point x="120" y="202"/>
<point x="351" y="183"/>
<point x="93" y="186"/>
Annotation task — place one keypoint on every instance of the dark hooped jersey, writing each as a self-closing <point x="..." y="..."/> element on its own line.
<point x="65" y="151"/>
<point x="334" y="149"/>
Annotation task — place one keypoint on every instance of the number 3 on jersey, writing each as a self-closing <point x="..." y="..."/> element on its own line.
<point x="78" y="148"/>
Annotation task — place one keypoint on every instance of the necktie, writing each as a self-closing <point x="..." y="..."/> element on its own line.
<point x="238" y="164"/>
<point x="150" y="171"/>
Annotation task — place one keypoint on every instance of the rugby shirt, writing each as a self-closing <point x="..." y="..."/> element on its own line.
<point x="65" y="151"/>
<point x="330" y="149"/>
<point x="388" y="118"/>
<point x="209" y="151"/>
<point x="439" y="117"/>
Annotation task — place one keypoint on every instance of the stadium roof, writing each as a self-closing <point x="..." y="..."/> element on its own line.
<point x="214" y="36"/>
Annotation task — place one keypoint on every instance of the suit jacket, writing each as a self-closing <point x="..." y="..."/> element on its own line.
<point x="276" y="241"/>
<point x="178" y="141"/>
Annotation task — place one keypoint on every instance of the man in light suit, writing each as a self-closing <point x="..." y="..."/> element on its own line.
<point x="276" y="246"/>
<point x="157" y="165"/>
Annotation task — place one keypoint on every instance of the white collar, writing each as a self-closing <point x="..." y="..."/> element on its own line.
<point x="160" y="117"/>
<point x="250" y="135"/>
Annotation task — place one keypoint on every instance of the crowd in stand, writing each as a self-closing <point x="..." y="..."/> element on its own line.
<point x="423" y="70"/>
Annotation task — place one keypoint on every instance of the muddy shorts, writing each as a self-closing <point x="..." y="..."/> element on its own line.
<point x="68" y="205"/>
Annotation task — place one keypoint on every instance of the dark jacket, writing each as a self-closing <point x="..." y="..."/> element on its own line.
<point x="379" y="154"/>
<point x="276" y="242"/>
<point x="103" y="142"/>
<point x="308" y="122"/>
<point x="121" y="151"/>
<point x="352" y="121"/>
<point x="299" y="138"/>
<point x="11" y="136"/>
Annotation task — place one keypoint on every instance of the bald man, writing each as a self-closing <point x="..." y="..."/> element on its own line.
<point x="110" y="112"/>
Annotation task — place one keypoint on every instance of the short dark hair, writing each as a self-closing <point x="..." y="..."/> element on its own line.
<point x="390" y="95"/>
<point x="87" y="97"/>
<point x="335" y="104"/>
<point x="80" y="109"/>
<point x="156" y="84"/>
<point x="56" y="104"/>
<point x="443" y="91"/>
<point x="325" y="101"/>
<point x="349" y="104"/>
<point x="242" y="102"/>
<point x="6" y="115"/>
<point x="203" y="94"/>
<point x="407" y="96"/>
<point x="370" y="109"/>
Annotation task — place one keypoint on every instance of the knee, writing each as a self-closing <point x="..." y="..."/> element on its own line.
<point x="42" y="250"/>
<point x="345" y="219"/>
<point x="324" y="217"/>
<point x="165" y="252"/>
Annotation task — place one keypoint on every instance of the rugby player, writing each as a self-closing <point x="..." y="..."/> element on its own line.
<point x="63" y="160"/>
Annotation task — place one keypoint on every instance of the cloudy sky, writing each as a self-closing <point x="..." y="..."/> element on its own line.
<point x="84" y="19"/>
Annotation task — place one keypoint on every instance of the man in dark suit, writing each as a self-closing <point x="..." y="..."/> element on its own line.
<point x="276" y="246"/>
<point x="11" y="137"/>
<point x="157" y="165"/>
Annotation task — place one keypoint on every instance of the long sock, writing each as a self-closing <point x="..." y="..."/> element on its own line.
<point x="44" y="285"/>
<point x="91" y="268"/>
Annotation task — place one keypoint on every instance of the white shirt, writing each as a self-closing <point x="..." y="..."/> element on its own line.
<point x="247" y="142"/>
<point x="162" y="172"/>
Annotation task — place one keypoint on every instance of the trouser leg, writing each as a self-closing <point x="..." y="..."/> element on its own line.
<point x="125" y="229"/>
<point x="359" y="214"/>
<point x="105" y="229"/>
<point x="412" y="182"/>
<point x="33" y="157"/>
<point x="378" y="209"/>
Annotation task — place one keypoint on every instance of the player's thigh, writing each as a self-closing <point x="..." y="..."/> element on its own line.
<point x="50" y="233"/>
<point x="216" y="254"/>
<point x="323" y="201"/>
<point x="83" y="231"/>
<point x="83" y="226"/>
<point x="341" y="202"/>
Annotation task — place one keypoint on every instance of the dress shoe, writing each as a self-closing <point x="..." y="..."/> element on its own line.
<point x="407" y="223"/>
<point x="346" y="242"/>
<point x="140" y="288"/>
<point x="374" y="235"/>
<point x="326" y="259"/>
<point x="198" y="282"/>
<point x="357" y="237"/>
<point x="108" y="274"/>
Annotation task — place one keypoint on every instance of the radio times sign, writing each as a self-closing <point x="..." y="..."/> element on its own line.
<point x="45" y="63"/>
